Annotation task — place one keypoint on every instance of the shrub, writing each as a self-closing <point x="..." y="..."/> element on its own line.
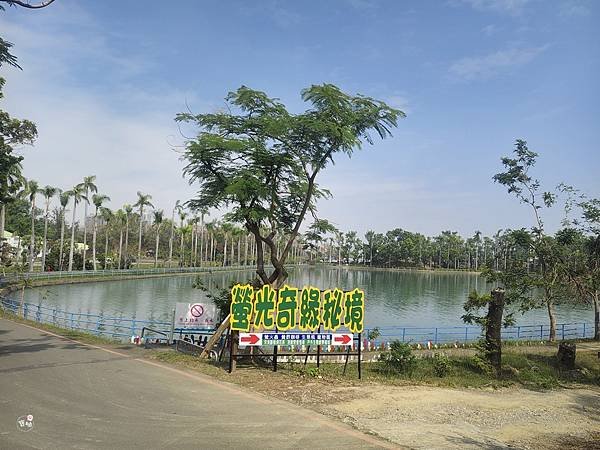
<point x="400" y="358"/>
<point x="441" y="365"/>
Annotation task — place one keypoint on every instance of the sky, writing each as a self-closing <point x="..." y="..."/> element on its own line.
<point x="104" y="80"/>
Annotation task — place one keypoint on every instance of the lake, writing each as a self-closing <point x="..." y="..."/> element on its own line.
<point x="393" y="298"/>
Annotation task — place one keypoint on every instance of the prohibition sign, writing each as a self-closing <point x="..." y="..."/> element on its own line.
<point x="196" y="310"/>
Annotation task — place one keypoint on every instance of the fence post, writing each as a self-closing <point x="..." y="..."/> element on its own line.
<point x="72" y="321"/>
<point x="403" y="333"/>
<point x="518" y="332"/>
<point x="436" y="336"/>
<point x="583" y="329"/>
<point x="172" y="327"/>
<point x="466" y="334"/>
<point x="542" y="332"/>
<point x="563" y="331"/>
<point x="38" y="314"/>
<point x="25" y="308"/>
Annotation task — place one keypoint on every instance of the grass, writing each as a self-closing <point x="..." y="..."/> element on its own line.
<point x="533" y="368"/>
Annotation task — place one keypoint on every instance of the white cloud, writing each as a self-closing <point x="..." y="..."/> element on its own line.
<point x="574" y="8"/>
<point x="513" y="7"/>
<point x="123" y="134"/>
<point x="482" y="67"/>
<point x="490" y="30"/>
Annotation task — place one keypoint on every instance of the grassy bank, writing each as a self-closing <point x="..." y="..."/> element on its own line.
<point x="528" y="367"/>
<point x="533" y="369"/>
<point x="77" y="335"/>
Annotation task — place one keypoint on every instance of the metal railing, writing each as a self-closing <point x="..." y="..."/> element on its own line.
<point x="36" y="276"/>
<point x="123" y="327"/>
<point x="466" y="334"/>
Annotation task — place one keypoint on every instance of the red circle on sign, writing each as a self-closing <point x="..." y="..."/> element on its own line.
<point x="196" y="310"/>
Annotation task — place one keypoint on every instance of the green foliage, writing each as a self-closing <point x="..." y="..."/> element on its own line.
<point x="481" y="361"/>
<point x="313" y="372"/>
<point x="373" y="334"/>
<point x="400" y="358"/>
<point x="13" y="132"/>
<point x="261" y="161"/>
<point x="441" y="365"/>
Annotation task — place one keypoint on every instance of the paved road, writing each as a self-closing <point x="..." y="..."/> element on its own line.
<point x="84" y="396"/>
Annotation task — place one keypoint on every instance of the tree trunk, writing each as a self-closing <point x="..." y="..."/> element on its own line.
<point x="2" y="219"/>
<point x="493" y="331"/>
<point x="171" y="238"/>
<point x="552" y="317"/>
<point x="72" y="237"/>
<point x="567" y="351"/>
<point x="94" y="240"/>
<point x="32" y="242"/>
<point x="225" y="251"/>
<point x="105" y="245"/>
<point x="62" y="240"/>
<point x="84" y="231"/>
<point x="45" y="237"/>
<point x="139" y="260"/>
<point x="156" y="248"/>
<point x="126" y="252"/>
<point x="597" y="316"/>
<point x="181" y="259"/>
<point x="120" y="247"/>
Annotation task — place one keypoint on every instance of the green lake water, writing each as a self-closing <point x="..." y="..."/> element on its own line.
<point x="408" y="299"/>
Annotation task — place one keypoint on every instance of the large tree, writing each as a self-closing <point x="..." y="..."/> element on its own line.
<point x="142" y="202"/>
<point x="97" y="200"/>
<point x="13" y="133"/>
<point x="545" y="284"/>
<point x="64" y="201"/>
<point x="48" y="192"/>
<point x="88" y="186"/>
<point x="261" y="161"/>
<point x="78" y="194"/>
<point x="158" y="220"/>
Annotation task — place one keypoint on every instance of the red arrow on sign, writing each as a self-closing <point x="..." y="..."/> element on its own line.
<point x="344" y="339"/>
<point x="252" y="339"/>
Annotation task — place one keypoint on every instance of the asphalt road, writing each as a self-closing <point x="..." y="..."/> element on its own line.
<point x="83" y="396"/>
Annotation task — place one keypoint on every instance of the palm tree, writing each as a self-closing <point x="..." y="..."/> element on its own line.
<point x="48" y="193"/>
<point x="32" y="189"/>
<point x="158" y="219"/>
<point x="128" y="210"/>
<point x="88" y="186"/>
<point x="107" y="216"/>
<point x="121" y="219"/>
<point x="97" y="199"/>
<point x="64" y="201"/>
<point x="143" y="200"/>
<point x="182" y="216"/>
<point x="13" y="181"/>
<point x="175" y="209"/>
<point x="78" y="194"/>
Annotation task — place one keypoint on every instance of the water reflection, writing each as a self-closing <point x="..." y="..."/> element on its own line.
<point x="417" y="299"/>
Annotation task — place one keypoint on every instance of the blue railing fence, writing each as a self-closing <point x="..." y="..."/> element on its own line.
<point x="123" y="328"/>
<point x="466" y="334"/>
<point x="118" y="328"/>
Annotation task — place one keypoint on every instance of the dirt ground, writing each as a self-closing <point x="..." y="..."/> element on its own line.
<point x="430" y="417"/>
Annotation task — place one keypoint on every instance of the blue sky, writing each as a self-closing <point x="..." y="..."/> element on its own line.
<point x="103" y="81"/>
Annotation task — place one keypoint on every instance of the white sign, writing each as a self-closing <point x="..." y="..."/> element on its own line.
<point x="195" y="315"/>
<point x="293" y="338"/>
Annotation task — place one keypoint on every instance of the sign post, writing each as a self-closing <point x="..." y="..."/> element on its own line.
<point x="291" y="317"/>
<point x="195" y="315"/>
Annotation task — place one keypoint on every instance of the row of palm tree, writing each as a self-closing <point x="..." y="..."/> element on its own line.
<point x="214" y="243"/>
